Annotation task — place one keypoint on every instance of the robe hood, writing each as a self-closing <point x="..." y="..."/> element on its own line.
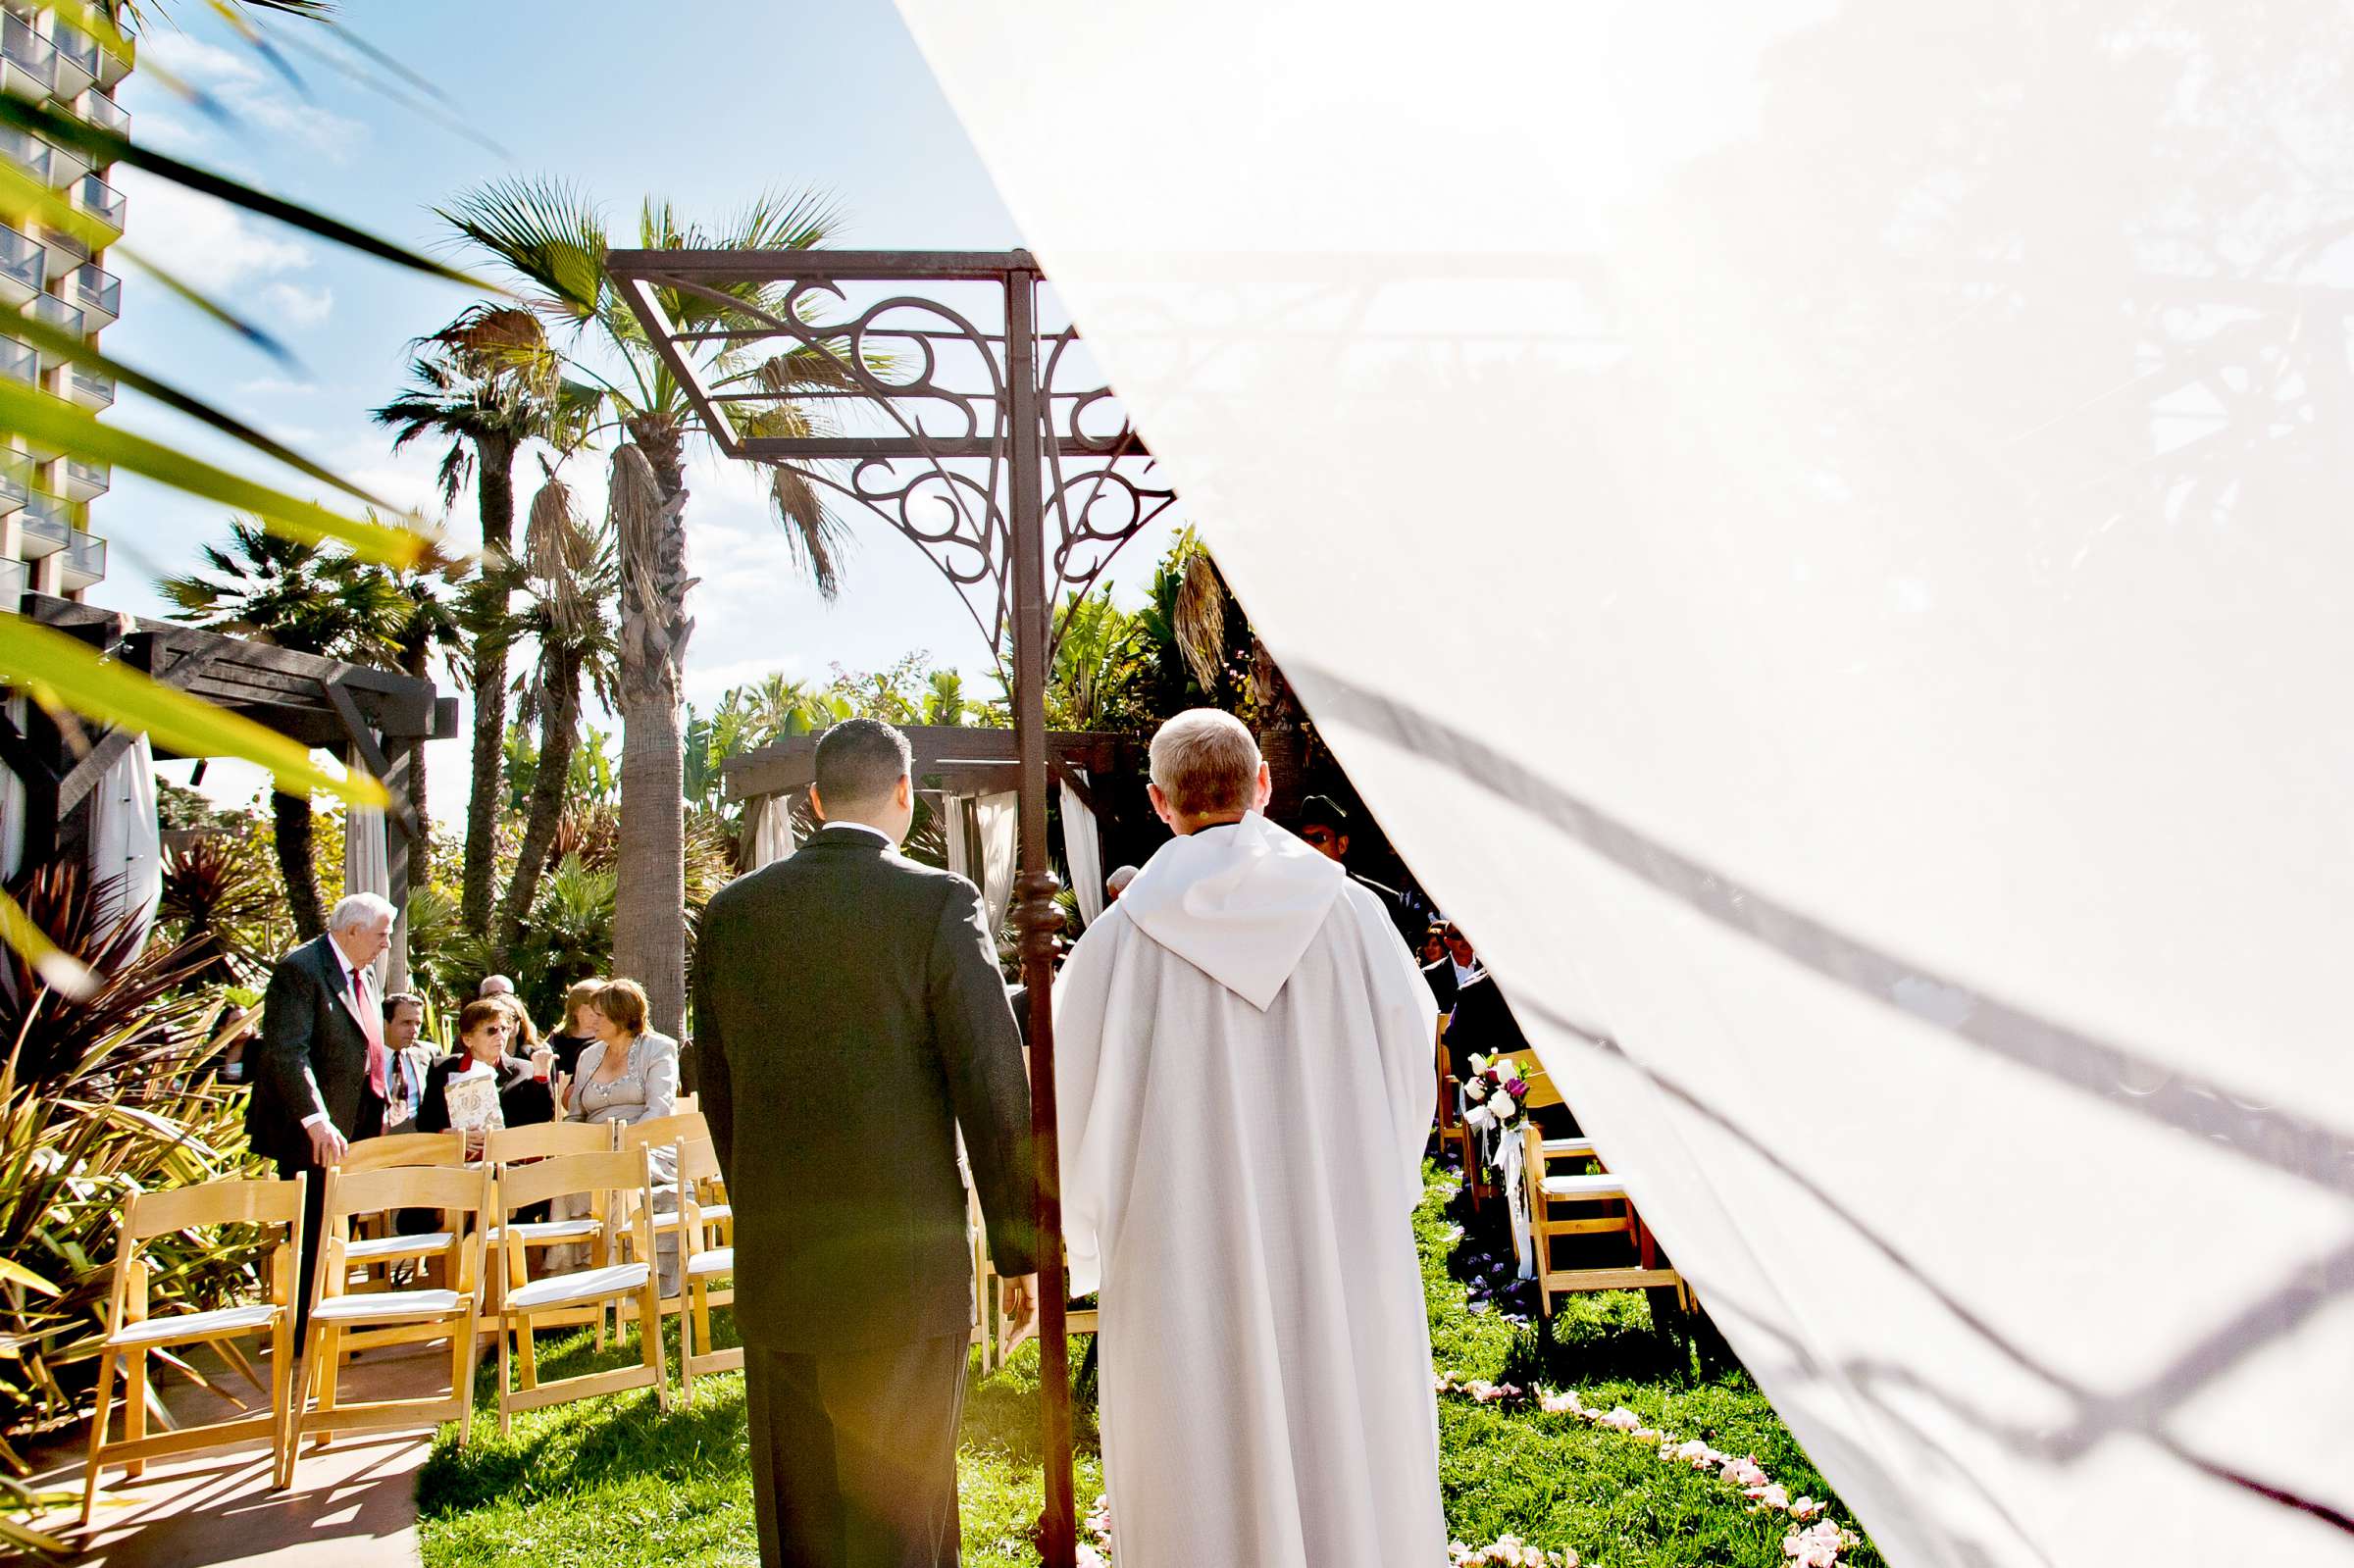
<point x="1240" y="904"/>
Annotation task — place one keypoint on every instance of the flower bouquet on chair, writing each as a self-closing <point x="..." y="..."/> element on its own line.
<point x="1493" y="1103"/>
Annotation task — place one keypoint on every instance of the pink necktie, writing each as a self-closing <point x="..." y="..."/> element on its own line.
<point x="379" y="1058"/>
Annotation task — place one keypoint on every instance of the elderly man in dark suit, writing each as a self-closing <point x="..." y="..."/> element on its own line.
<point x="850" y="1020"/>
<point x="320" y="1079"/>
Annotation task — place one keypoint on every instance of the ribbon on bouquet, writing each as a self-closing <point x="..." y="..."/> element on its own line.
<point x="1501" y="1147"/>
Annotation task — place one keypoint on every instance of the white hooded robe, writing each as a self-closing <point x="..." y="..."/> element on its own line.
<point x="1243" y="1068"/>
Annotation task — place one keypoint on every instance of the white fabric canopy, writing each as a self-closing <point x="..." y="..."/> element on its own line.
<point x="125" y="839"/>
<point x="772" y="831"/>
<point x="1083" y="848"/>
<point x="1844" y="592"/>
<point x="368" y="868"/>
<point x="981" y="846"/>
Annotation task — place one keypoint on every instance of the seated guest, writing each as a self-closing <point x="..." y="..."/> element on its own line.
<point x="1453" y="971"/>
<point x="631" y="1072"/>
<point x="1324" y="828"/>
<point x="630" y="1075"/>
<point x="521" y="1086"/>
<point x="576" y="1033"/>
<point x="495" y="986"/>
<point x="404" y="1076"/>
<point x="1434" y="945"/>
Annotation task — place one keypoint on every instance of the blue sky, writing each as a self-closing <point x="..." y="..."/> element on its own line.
<point x="569" y="91"/>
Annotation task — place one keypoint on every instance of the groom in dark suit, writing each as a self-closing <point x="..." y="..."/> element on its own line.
<point x="320" y="1078"/>
<point x="849" y="1019"/>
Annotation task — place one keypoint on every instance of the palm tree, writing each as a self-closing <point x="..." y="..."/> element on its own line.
<point x="424" y="623"/>
<point x="553" y="241"/>
<point x="299" y="596"/>
<point x="571" y="574"/>
<point x="943" y="702"/>
<point x="468" y="388"/>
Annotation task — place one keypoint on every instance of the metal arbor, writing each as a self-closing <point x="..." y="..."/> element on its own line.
<point x="989" y="443"/>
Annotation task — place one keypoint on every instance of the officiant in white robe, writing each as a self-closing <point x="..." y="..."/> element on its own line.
<point x="1243" y="1066"/>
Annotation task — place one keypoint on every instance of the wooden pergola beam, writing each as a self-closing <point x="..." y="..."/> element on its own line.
<point x="941" y="751"/>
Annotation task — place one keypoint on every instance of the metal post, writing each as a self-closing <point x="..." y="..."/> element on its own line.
<point x="1035" y="918"/>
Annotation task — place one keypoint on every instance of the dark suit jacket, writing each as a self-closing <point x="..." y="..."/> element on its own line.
<point x="312" y="1056"/>
<point x="1484" y="1022"/>
<point x="850" y="1017"/>
<point x="1441" y="977"/>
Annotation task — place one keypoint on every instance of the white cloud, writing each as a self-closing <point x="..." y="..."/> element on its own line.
<point x="254" y="95"/>
<point x="276" y="386"/>
<point x="208" y="244"/>
<point x="299" y="306"/>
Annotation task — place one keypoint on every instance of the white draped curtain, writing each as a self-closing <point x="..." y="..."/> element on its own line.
<point x="1876" y="709"/>
<point x="1083" y="848"/>
<point x="772" y="830"/>
<point x="125" y="839"/>
<point x="368" y="869"/>
<point x="981" y="846"/>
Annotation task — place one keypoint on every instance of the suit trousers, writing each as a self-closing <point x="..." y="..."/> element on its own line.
<point x="314" y="1206"/>
<point x="853" y="1454"/>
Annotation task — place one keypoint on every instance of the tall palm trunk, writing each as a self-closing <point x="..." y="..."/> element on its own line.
<point x="290" y="834"/>
<point x="559" y="735"/>
<point x="416" y="661"/>
<point x="494" y="491"/>
<point x="1282" y="734"/>
<point x="648" y="506"/>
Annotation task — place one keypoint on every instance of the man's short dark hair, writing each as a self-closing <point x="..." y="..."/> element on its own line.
<point x="858" y="760"/>
<point x="1323" y="811"/>
<point x="393" y="1002"/>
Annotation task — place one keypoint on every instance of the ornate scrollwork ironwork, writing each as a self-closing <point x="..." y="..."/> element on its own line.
<point x="911" y="401"/>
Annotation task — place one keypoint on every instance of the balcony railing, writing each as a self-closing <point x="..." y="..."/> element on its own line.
<point x="60" y="314"/>
<point x="21" y="266"/>
<point x="27" y="51"/>
<point x="90" y="389"/>
<point x="15" y="578"/>
<point x="16" y="481"/>
<point x="18" y="362"/>
<point x="27" y="152"/>
<point x="86" y="560"/>
<point x="74" y="47"/>
<point x="84" y="482"/>
<point x="99" y="110"/>
<point x="96" y="290"/>
<point x="101" y="201"/>
<point x="42" y="528"/>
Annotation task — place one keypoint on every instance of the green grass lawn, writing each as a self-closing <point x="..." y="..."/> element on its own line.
<point x="611" y="1482"/>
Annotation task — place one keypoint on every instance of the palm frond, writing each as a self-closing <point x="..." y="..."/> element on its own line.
<point x="543" y="229"/>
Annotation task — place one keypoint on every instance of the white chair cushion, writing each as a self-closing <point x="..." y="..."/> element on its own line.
<point x="709" y="1214"/>
<point x="718" y="1260"/>
<point x="1564" y="1148"/>
<point x="549" y="1231"/>
<point x="1585" y="1186"/>
<point x="196" y="1325"/>
<point x="385" y="1306"/>
<point x="380" y="1247"/>
<point x="584" y="1284"/>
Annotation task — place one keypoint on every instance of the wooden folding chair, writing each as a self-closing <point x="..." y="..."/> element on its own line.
<point x="660" y="1136"/>
<point x="466" y="1198"/>
<point x="707" y="1272"/>
<point x="375" y="1241"/>
<point x="1589" y="1205"/>
<point x="132" y="1333"/>
<point x="1451" y="1130"/>
<point x="619" y="1186"/>
<point x="509" y="1147"/>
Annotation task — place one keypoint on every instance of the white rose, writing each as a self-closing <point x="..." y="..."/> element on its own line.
<point x="1500" y="1104"/>
<point x="1476" y="1089"/>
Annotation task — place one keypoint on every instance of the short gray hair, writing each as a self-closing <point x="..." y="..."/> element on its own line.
<point x="354" y="910"/>
<point x="1120" y="878"/>
<point x="1204" y="761"/>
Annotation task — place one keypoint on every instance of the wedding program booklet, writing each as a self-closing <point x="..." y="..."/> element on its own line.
<point x="473" y="1099"/>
